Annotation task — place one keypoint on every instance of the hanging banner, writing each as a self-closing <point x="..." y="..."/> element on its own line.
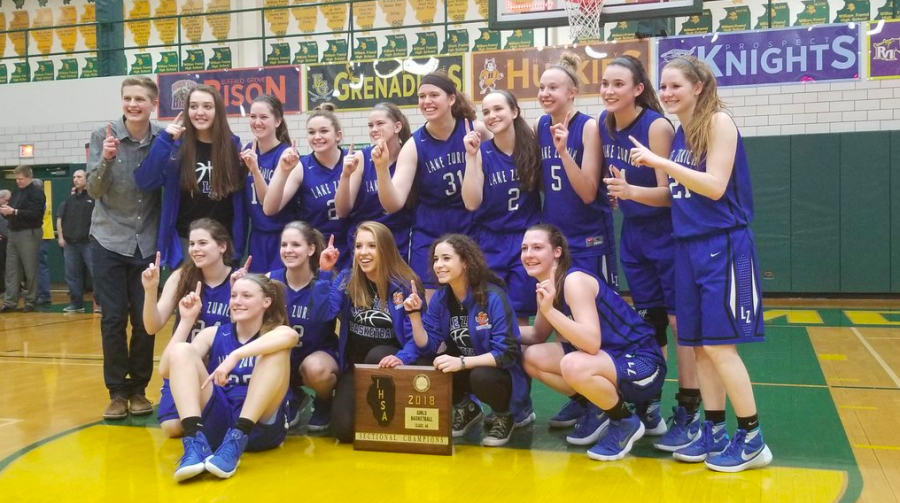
<point x="814" y="53"/>
<point x="884" y="51"/>
<point x="238" y="87"/>
<point x="519" y="71"/>
<point x="360" y="86"/>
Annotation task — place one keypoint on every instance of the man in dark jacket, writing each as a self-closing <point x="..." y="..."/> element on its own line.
<point x="25" y="213"/>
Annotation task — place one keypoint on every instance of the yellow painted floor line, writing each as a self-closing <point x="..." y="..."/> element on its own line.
<point x="858" y="407"/>
<point x="877" y="447"/>
<point x="832" y="357"/>
<point x="843" y="380"/>
<point x="878" y="358"/>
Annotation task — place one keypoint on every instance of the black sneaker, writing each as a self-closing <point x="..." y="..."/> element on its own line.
<point x="501" y="430"/>
<point x="465" y="416"/>
<point x="6" y="308"/>
<point x="29" y="308"/>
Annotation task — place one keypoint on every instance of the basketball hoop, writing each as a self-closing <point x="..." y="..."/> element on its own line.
<point x="584" y="18"/>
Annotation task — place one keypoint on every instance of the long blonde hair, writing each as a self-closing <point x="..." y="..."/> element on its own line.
<point x="698" y="131"/>
<point x="391" y="267"/>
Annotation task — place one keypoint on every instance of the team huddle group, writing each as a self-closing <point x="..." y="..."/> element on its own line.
<point x="436" y="247"/>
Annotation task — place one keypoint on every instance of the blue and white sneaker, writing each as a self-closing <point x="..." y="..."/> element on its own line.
<point x="196" y="450"/>
<point x="654" y="424"/>
<point x="568" y="415"/>
<point x="684" y="430"/>
<point x="746" y="450"/>
<point x="321" y="416"/>
<point x="712" y="440"/>
<point x="589" y="428"/>
<point x="227" y="458"/>
<point x="619" y="439"/>
<point x="296" y="405"/>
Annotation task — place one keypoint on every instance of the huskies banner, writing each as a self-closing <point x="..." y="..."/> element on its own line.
<point x="519" y="71"/>
<point x="238" y="88"/>
<point x="884" y="51"/>
<point x="829" y="52"/>
<point x="360" y="86"/>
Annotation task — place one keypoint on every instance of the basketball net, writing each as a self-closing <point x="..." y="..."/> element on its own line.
<point x="584" y="18"/>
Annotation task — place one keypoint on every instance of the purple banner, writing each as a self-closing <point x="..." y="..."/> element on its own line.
<point x="884" y="51"/>
<point x="238" y="87"/>
<point x="827" y="52"/>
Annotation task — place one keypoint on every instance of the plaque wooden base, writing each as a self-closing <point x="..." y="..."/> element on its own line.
<point x="403" y="409"/>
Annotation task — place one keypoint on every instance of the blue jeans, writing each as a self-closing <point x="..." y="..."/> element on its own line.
<point x="78" y="257"/>
<point x="126" y="369"/>
<point x="43" y="294"/>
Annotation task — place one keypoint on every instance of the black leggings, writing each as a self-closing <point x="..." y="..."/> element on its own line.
<point x="491" y="385"/>
<point x="342" y="410"/>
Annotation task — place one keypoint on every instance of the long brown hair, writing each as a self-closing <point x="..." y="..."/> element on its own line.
<point x="276" y="313"/>
<point x="647" y="98"/>
<point x="190" y="273"/>
<point x="526" y="150"/>
<point x="478" y="274"/>
<point x="313" y="238"/>
<point x="698" y="131"/>
<point x="395" y="114"/>
<point x="564" y="263"/>
<point x="281" y="132"/>
<point x="228" y="173"/>
<point x="391" y="268"/>
<point x="462" y="107"/>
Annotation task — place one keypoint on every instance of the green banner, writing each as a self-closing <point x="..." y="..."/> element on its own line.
<point x="21" y="73"/>
<point x="69" y="69"/>
<point x="366" y="48"/>
<point x="736" y="19"/>
<point x="142" y="64"/>
<point x="426" y="44"/>
<point x="520" y="39"/>
<point x="336" y="51"/>
<point x="489" y="40"/>
<point x="44" y="71"/>
<point x="395" y="47"/>
<point x="168" y="62"/>
<point x="220" y="60"/>
<point x="279" y="54"/>
<point x="698" y="24"/>
<point x="89" y="70"/>
<point x="457" y="42"/>
<point x="194" y="61"/>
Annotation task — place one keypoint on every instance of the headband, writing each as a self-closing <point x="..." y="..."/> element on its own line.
<point x="567" y="72"/>
<point x="442" y="83"/>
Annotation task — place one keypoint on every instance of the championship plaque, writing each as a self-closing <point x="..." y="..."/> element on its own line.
<point x="403" y="409"/>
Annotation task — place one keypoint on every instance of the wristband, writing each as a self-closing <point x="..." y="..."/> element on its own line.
<point x="462" y="360"/>
<point x="413" y="311"/>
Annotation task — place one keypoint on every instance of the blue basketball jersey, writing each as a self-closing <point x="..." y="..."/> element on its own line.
<point x="268" y="163"/>
<point x="368" y="207"/>
<point x="621" y="328"/>
<point x="696" y="215"/>
<point x="505" y="207"/>
<point x="315" y="198"/>
<point x="308" y="314"/>
<point x="587" y="227"/>
<point x="215" y="308"/>
<point x="617" y="152"/>
<point x="224" y="342"/>
<point x="439" y="174"/>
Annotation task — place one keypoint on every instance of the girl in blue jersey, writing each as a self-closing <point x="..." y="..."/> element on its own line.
<point x="230" y="382"/>
<point x="433" y="161"/>
<point x="314" y="359"/>
<point x="646" y="246"/>
<point x="574" y="199"/>
<point x="209" y="251"/>
<point x="312" y="188"/>
<point x="261" y="157"/>
<point x="198" y="167"/>
<point x="357" y="195"/>
<point x="375" y="327"/>
<point x="608" y="355"/>
<point x="716" y="270"/>
<point x="471" y="314"/>
<point x="500" y="186"/>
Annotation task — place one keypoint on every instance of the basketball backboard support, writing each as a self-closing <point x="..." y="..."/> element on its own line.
<point x="518" y="14"/>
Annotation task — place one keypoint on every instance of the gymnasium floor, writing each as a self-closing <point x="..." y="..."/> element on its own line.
<point x="826" y="382"/>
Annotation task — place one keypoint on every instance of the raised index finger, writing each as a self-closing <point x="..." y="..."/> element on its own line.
<point x="247" y="263"/>
<point x="568" y="118"/>
<point x="179" y="118"/>
<point x="157" y="259"/>
<point x="255" y="144"/>
<point x="199" y="287"/>
<point x="108" y="130"/>
<point x="468" y="129"/>
<point x="350" y="151"/>
<point x="412" y="285"/>
<point x="636" y="143"/>
<point x="331" y="241"/>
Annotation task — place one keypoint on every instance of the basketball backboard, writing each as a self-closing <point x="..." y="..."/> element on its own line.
<point x="516" y="14"/>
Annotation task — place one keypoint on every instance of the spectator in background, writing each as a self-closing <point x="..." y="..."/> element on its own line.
<point x="4" y="238"/>
<point x="73" y="223"/>
<point x="24" y="212"/>
<point x="123" y="231"/>
<point x="43" y="290"/>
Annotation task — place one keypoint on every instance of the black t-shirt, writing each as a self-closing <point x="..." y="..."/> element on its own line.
<point x="368" y="328"/>
<point x="195" y="205"/>
<point x="460" y="343"/>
